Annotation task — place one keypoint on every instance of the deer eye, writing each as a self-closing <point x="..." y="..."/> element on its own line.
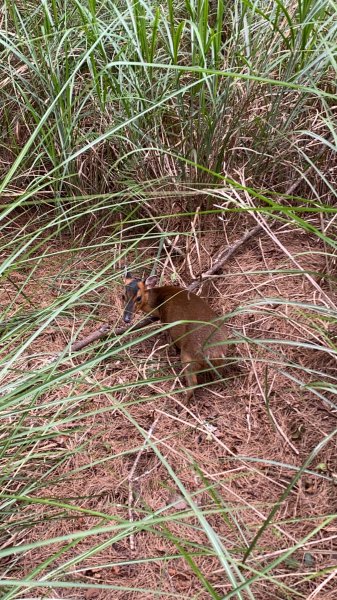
<point x="138" y="299"/>
<point x="123" y="297"/>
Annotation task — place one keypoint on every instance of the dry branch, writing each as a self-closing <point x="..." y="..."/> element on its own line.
<point x="218" y="262"/>
<point x="222" y="256"/>
<point x="105" y="329"/>
<point x="92" y="337"/>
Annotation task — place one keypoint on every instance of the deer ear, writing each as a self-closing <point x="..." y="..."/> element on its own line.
<point x="151" y="281"/>
<point x="127" y="277"/>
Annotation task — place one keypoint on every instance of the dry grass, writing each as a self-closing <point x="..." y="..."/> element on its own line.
<point x="225" y="427"/>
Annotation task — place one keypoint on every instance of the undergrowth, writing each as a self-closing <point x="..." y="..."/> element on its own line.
<point x="153" y="136"/>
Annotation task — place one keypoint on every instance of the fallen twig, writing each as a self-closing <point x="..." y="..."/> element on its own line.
<point x="168" y="241"/>
<point x="219" y="260"/>
<point x="131" y="478"/>
<point x="222" y="256"/>
<point x="92" y="337"/>
<point x="104" y="331"/>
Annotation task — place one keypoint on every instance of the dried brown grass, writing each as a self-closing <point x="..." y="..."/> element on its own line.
<point x="241" y="426"/>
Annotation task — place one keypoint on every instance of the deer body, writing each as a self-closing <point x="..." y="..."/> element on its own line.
<point x="199" y="339"/>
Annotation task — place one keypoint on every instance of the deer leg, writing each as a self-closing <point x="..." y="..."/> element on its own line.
<point x="191" y="368"/>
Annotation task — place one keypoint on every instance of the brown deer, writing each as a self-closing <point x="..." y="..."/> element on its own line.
<point x="196" y="329"/>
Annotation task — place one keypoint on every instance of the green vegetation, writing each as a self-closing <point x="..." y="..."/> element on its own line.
<point x="129" y="129"/>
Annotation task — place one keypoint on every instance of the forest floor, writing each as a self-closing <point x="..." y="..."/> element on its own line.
<point x="243" y="437"/>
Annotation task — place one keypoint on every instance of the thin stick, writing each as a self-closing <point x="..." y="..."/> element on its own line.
<point x="220" y="260"/>
<point x="131" y="478"/>
<point x="223" y="256"/>
<point x="281" y="432"/>
<point x="263" y="394"/>
<point x="104" y="331"/>
<point x="168" y="241"/>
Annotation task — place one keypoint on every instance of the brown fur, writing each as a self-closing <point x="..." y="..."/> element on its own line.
<point x="200" y="342"/>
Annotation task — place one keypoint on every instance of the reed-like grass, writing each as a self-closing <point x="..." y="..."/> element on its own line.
<point x="125" y="124"/>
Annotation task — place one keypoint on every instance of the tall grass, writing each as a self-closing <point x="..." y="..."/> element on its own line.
<point x="124" y="123"/>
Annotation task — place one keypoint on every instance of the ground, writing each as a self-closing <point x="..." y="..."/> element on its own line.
<point x="235" y="448"/>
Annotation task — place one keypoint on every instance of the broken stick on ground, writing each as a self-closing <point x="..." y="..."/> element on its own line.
<point x="219" y="260"/>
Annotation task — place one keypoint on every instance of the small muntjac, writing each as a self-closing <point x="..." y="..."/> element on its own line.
<point x="200" y="339"/>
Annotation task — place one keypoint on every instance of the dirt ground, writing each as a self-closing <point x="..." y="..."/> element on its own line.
<point x="235" y="448"/>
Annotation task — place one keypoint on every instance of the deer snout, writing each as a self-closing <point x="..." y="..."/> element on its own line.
<point x="128" y="312"/>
